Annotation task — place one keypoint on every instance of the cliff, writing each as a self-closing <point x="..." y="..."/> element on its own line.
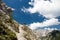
<point x="26" y="34"/>
<point x="6" y="23"/>
<point x="54" y="35"/>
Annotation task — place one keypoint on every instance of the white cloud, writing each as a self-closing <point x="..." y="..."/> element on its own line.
<point x="11" y="8"/>
<point x="51" y="29"/>
<point x="46" y="8"/>
<point x="46" y="23"/>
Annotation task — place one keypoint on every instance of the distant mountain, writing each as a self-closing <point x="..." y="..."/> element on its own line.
<point x="42" y="32"/>
<point x="54" y="35"/>
<point x="48" y="34"/>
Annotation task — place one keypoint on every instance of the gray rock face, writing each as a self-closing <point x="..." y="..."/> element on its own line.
<point x="54" y="35"/>
<point x="6" y="23"/>
<point x="26" y="33"/>
<point x="48" y="34"/>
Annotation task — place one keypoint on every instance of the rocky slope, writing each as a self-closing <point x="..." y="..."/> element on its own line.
<point x="6" y="23"/>
<point x="26" y="34"/>
<point x="54" y="35"/>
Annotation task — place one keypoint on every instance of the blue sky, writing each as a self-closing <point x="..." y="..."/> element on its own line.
<point x="27" y="17"/>
<point x="19" y="15"/>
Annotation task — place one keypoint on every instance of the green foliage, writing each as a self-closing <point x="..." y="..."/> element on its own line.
<point x="54" y="35"/>
<point x="6" y="18"/>
<point x="6" y="34"/>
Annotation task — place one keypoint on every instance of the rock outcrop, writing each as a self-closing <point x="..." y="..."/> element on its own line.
<point x="26" y="34"/>
<point x="54" y="35"/>
<point x="48" y="34"/>
<point x="7" y="25"/>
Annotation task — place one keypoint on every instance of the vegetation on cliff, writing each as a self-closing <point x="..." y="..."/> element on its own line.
<point x="54" y="35"/>
<point x="6" y="22"/>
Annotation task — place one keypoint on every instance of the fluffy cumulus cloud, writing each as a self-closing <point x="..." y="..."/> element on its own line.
<point x="50" y="9"/>
<point x="46" y="23"/>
